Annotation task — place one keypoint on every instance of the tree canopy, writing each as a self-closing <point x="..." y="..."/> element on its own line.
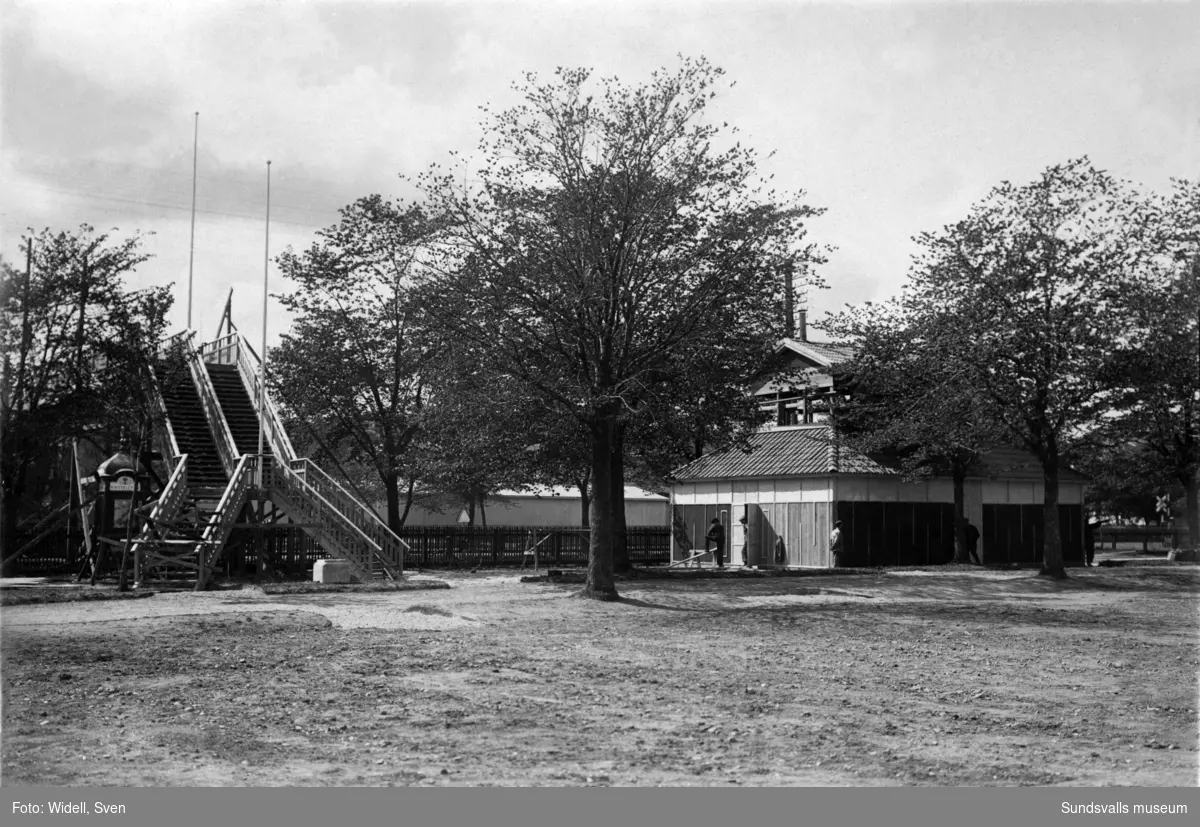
<point x="358" y="346"/>
<point x="76" y="342"/>
<point x="614" y="253"/>
<point x="1022" y="308"/>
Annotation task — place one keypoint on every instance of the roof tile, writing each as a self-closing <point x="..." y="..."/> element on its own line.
<point x="783" y="452"/>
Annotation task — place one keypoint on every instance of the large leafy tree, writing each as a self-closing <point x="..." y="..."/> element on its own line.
<point x="1034" y="282"/>
<point x="76" y="344"/>
<point x="1126" y="479"/>
<point x="353" y="368"/>
<point x="478" y="432"/>
<point x="611" y="246"/>
<point x="1159" y="371"/>
<point x="909" y="398"/>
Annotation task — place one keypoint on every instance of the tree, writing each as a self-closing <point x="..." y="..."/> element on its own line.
<point x="1125" y="479"/>
<point x="67" y="314"/>
<point x="353" y="366"/>
<point x="909" y="398"/>
<point x="476" y="432"/>
<point x="1159" y="370"/>
<point x="615" y="246"/>
<point x="1035" y="280"/>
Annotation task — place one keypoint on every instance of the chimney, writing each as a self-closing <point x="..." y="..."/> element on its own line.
<point x="789" y="302"/>
<point x="803" y="325"/>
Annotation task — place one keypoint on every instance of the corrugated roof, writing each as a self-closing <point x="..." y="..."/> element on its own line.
<point x="632" y="492"/>
<point x="783" y="452"/>
<point x="826" y="354"/>
<point x="811" y="450"/>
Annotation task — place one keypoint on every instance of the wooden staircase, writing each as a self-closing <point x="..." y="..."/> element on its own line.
<point x="193" y="435"/>
<point x="212" y="427"/>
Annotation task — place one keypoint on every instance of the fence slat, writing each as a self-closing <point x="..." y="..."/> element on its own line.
<point x="432" y="547"/>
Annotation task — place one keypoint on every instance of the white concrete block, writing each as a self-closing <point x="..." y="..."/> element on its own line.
<point x="332" y="571"/>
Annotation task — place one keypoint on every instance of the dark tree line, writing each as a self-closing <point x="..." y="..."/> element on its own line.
<point x="1060" y="316"/>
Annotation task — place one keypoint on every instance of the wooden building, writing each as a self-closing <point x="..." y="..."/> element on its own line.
<point x="796" y="481"/>
<point x="538" y="506"/>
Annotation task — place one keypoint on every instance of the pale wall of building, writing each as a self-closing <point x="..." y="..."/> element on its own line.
<point x="864" y="488"/>
<point x="545" y="511"/>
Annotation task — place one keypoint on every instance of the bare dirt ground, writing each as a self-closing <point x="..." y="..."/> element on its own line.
<point x="953" y="677"/>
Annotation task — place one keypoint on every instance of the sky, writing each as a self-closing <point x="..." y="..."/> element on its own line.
<point x="894" y="117"/>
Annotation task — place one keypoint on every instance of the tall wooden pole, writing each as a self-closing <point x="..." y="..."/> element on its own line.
<point x="262" y="363"/>
<point x="25" y="344"/>
<point x="192" y="245"/>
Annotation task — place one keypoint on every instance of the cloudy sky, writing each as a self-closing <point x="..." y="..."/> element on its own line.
<point x="895" y="117"/>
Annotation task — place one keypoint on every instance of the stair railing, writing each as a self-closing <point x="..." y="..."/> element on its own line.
<point x="222" y="351"/>
<point x="85" y="511"/>
<point x="165" y="511"/>
<point x="221" y="523"/>
<point x="163" y="433"/>
<point x="234" y="349"/>
<point x="222" y="436"/>
<point x="353" y="543"/>
<point x="364" y="517"/>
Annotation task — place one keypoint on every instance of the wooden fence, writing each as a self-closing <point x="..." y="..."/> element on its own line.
<point x="449" y="547"/>
<point x="430" y="547"/>
<point x="1160" y="537"/>
<point x="437" y="547"/>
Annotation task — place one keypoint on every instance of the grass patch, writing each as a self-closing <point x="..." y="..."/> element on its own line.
<point x="26" y="595"/>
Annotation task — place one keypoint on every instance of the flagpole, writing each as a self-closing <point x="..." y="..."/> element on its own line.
<point x="262" y="363"/>
<point x="192" y="245"/>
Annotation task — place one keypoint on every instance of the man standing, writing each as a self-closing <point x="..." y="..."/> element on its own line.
<point x="972" y="543"/>
<point x="835" y="546"/>
<point x="716" y="537"/>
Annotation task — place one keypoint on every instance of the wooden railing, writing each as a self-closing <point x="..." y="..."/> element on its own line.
<point x="164" y="436"/>
<point x="221" y="351"/>
<point x="500" y="546"/>
<point x="357" y="512"/>
<point x="233" y="349"/>
<point x="222" y="436"/>
<point x="1164" y="536"/>
<point x="221" y="523"/>
<point x="164" y="512"/>
<point x="336" y="531"/>
<point x="44" y="527"/>
<point x="86" y="512"/>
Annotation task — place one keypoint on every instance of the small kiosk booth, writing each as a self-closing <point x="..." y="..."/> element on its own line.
<point x="121" y="490"/>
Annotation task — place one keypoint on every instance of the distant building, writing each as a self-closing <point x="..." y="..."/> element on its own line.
<point x="803" y="398"/>
<point x="539" y="506"/>
<point x="796" y="481"/>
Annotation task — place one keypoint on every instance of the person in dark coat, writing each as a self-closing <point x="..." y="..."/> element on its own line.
<point x="837" y="548"/>
<point x="973" y="544"/>
<point x="716" y="538"/>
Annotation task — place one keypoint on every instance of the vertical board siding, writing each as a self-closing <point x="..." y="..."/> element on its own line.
<point x="896" y="533"/>
<point x="1014" y="533"/>
<point x="694" y="521"/>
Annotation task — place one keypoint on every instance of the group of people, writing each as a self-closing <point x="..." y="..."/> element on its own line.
<point x="715" y="541"/>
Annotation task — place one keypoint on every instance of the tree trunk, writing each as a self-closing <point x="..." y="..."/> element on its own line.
<point x="621" y="561"/>
<point x="391" y="484"/>
<point x="471" y="511"/>
<point x="599" y="584"/>
<point x="483" y="510"/>
<point x="408" y="501"/>
<point x="1052" y="553"/>
<point x="960" y="518"/>
<point x="585" y="500"/>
